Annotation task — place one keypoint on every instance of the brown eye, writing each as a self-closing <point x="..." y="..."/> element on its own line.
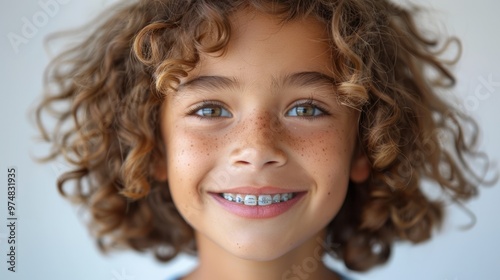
<point x="305" y="110"/>
<point x="212" y="111"/>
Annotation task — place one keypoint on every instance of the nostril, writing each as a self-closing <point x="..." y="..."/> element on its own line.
<point x="258" y="155"/>
<point x="259" y="159"/>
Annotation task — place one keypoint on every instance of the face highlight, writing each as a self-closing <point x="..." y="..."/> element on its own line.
<point x="262" y="119"/>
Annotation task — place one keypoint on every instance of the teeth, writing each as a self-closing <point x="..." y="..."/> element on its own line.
<point x="229" y="196"/>
<point x="253" y="200"/>
<point x="265" y="199"/>
<point x="250" y="200"/>
<point x="284" y="197"/>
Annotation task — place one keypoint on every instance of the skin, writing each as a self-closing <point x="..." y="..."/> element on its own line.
<point x="256" y="138"/>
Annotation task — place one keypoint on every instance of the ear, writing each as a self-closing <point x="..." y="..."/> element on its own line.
<point x="360" y="167"/>
<point x="160" y="169"/>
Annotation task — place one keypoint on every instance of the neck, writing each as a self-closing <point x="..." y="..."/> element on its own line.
<point x="303" y="262"/>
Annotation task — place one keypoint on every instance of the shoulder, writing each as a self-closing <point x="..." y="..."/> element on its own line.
<point x="343" y="277"/>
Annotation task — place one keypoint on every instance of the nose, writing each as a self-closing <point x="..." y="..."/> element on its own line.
<point x="259" y="143"/>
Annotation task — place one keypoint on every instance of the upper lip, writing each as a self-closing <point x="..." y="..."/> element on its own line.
<point x="259" y="190"/>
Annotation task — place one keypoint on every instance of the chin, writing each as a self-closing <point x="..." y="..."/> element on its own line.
<point x="257" y="254"/>
<point x="257" y="247"/>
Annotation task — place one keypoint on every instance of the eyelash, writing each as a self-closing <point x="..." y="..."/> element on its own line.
<point x="313" y="103"/>
<point x="212" y="103"/>
<point x="205" y="104"/>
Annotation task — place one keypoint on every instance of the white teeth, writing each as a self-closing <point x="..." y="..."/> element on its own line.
<point x="229" y="196"/>
<point x="253" y="200"/>
<point x="265" y="199"/>
<point x="284" y="197"/>
<point x="250" y="200"/>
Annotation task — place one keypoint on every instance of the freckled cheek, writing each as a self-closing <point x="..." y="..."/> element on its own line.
<point x="190" y="157"/>
<point x="321" y="146"/>
<point x="326" y="153"/>
<point x="191" y="150"/>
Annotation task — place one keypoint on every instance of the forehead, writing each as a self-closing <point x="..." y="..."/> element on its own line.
<point x="264" y="44"/>
<point x="256" y="26"/>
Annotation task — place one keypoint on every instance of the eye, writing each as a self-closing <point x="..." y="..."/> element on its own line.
<point x="210" y="109"/>
<point x="307" y="109"/>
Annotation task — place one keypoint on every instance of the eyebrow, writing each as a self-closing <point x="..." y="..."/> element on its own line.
<point x="299" y="79"/>
<point x="304" y="79"/>
<point x="209" y="82"/>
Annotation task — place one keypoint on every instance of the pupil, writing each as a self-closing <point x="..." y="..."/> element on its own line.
<point x="211" y="111"/>
<point x="305" y="111"/>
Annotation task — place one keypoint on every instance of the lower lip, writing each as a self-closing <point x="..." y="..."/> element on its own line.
<point x="258" y="212"/>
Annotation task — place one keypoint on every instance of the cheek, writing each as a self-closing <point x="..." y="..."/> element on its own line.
<point x="326" y="155"/>
<point x="189" y="159"/>
<point x="188" y="154"/>
<point x="325" y="152"/>
<point x="187" y="150"/>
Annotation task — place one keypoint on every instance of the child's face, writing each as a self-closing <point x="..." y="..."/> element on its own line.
<point x="271" y="118"/>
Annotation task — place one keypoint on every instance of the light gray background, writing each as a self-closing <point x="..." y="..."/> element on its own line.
<point x="54" y="244"/>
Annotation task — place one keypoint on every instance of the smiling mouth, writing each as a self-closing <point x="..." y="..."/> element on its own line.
<point x="257" y="200"/>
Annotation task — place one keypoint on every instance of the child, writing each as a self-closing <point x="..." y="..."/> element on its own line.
<point x="258" y="134"/>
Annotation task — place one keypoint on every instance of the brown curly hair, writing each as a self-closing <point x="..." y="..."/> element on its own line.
<point x="114" y="81"/>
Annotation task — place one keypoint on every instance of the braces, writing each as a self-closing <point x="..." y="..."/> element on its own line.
<point x="261" y="200"/>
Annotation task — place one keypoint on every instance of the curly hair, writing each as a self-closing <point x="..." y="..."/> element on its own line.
<point x="114" y="82"/>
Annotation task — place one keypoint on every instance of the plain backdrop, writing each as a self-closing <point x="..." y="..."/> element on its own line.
<point x="54" y="244"/>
